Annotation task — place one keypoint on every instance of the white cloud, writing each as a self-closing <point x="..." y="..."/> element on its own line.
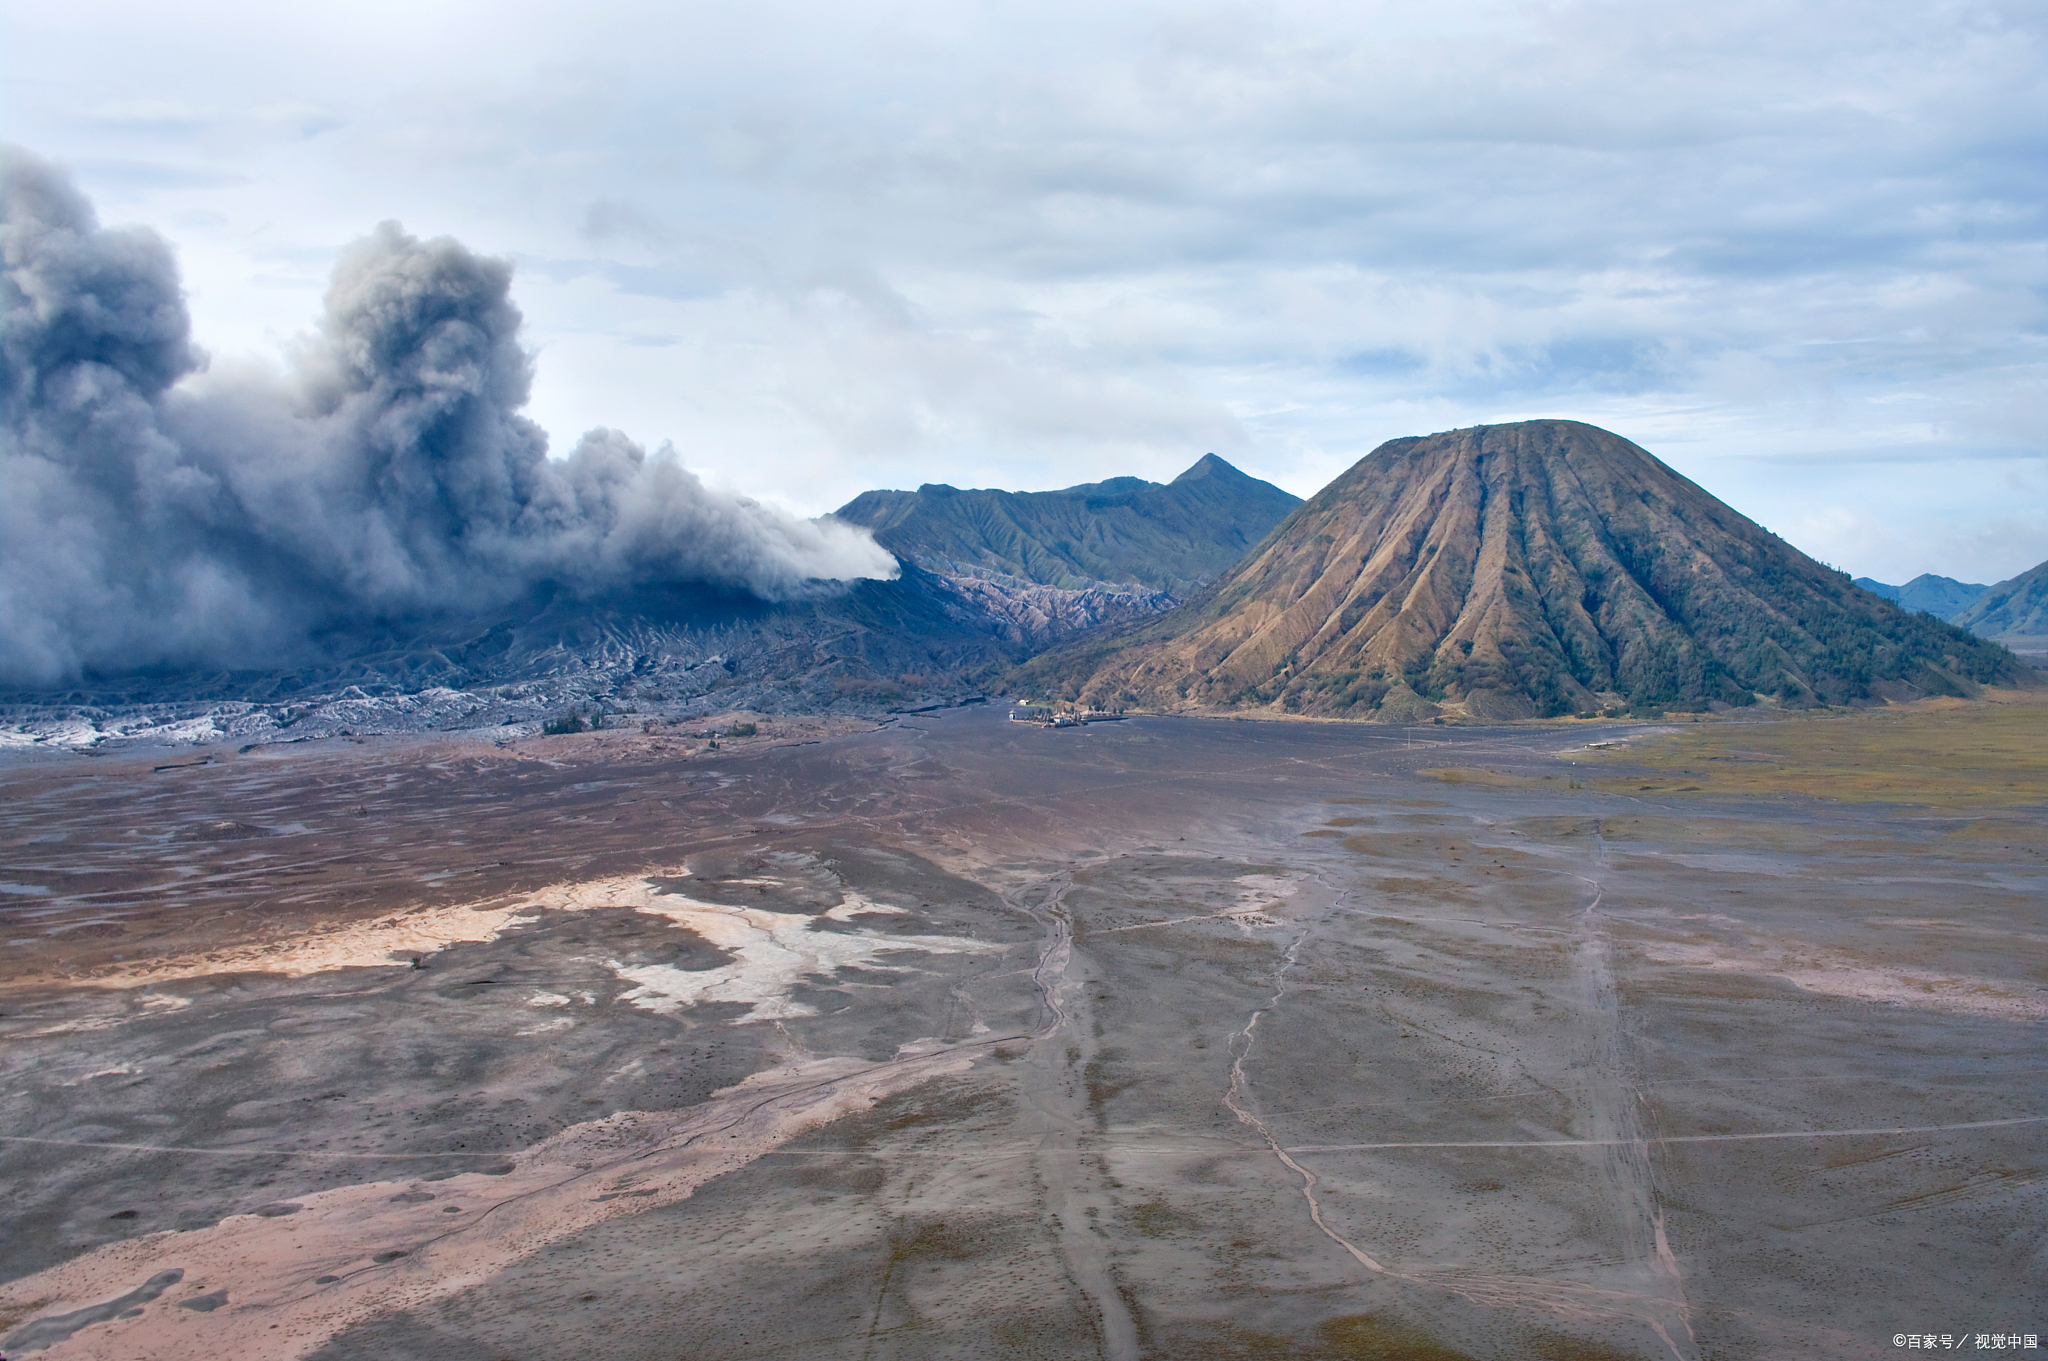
<point x="824" y="247"/>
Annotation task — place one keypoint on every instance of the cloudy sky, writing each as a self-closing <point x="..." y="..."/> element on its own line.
<point x="1798" y="250"/>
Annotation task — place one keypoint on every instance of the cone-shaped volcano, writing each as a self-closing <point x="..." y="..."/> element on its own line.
<point x="1540" y="568"/>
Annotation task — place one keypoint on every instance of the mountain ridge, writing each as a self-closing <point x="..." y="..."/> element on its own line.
<point x="1119" y="533"/>
<point x="2015" y="609"/>
<point x="1943" y="597"/>
<point x="1612" y="641"/>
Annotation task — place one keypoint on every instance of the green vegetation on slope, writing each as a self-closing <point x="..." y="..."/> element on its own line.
<point x="2015" y="609"/>
<point x="1125" y="531"/>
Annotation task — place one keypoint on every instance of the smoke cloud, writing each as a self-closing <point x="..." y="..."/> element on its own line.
<point x="387" y="475"/>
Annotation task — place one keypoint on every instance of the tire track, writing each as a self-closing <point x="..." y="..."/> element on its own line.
<point x="1067" y="1170"/>
<point x="1649" y="1290"/>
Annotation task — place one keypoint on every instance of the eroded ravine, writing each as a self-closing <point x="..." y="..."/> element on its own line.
<point x="1608" y="1100"/>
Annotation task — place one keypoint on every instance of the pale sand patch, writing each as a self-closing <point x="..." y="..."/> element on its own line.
<point x="73" y="1027"/>
<point x="353" y="946"/>
<point x="774" y="950"/>
<point x="1256" y="893"/>
<point x="1265" y="890"/>
<point x="122" y="1071"/>
<point x="623" y="1164"/>
<point x="1833" y="973"/>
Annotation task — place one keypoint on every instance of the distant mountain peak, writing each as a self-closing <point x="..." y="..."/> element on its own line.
<point x="1944" y="597"/>
<point x="1207" y="466"/>
<point x="1120" y="533"/>
<point x="2015" y="611"/>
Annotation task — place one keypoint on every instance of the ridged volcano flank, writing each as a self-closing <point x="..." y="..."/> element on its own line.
<point x="1541" y="568"/>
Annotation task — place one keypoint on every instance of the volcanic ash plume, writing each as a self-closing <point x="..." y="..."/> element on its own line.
<point x="388" y="476"/>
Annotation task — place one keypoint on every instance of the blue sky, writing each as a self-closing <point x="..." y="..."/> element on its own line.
<point x="1798" y="250"/>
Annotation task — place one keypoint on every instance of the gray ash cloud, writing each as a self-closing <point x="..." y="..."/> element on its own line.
<point x="388" y="475"/>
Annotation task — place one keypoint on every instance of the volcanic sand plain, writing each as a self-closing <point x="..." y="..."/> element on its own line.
<point x="956" y="1037"/>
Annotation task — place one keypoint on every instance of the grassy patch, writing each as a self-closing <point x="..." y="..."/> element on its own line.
<point x="1942" y="753"/>
<point x="1360" y="1337"/>
<point x="1156" y="1219"/>
<point x="1498" y="779"/>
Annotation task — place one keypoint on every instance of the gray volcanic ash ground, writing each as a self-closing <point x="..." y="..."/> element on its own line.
<point x="962" y="1038"/>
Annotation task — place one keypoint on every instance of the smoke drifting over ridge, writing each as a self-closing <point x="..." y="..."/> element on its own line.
<point x="389" y="475"/>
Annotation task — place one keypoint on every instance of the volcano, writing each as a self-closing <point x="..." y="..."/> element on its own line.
<point x="1535" y="569"/>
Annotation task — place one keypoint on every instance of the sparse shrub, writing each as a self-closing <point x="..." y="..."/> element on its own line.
<point x="855" y="687"/>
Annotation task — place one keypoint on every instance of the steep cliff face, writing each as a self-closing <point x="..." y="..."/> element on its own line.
<point x="1540" y="568"/>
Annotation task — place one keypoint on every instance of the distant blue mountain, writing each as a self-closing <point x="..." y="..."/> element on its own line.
<point x="2015" y="611"/>
<point x="1944" y="597"/>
